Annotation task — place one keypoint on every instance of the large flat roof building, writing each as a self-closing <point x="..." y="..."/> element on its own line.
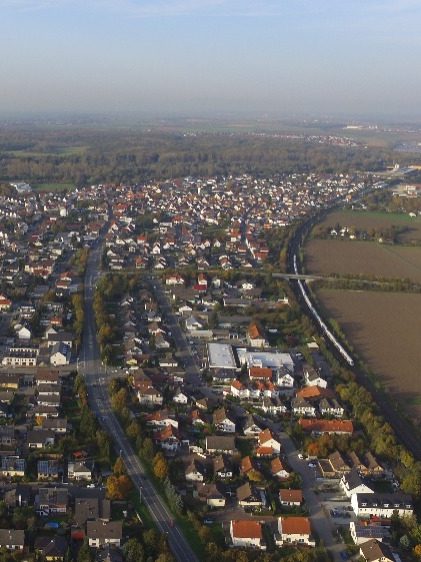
<point x="221" y="356"/>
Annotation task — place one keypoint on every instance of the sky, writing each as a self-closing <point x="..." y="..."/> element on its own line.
<point x="194" y="57"/>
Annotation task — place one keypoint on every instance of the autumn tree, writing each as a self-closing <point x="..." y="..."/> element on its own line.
<point x="119" y="467"/>
<point x="160" y="466"/>
<point x="118" y="487"/>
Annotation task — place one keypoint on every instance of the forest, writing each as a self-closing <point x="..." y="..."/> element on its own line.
<point x="90" y="154"/>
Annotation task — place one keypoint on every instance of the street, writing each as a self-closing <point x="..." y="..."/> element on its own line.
<point x="96" y="379"/>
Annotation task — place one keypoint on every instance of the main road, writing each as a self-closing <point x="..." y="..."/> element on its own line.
<point x="96" y="381"/>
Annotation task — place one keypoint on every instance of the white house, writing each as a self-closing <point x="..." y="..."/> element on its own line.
<point x="266" y="439"/>
<point x="352" y="483"/>
<point x="312" y="377"/>
<point x="247" y="533"/>
<point x="294" y="530"/>
<point x="382" y="505"/>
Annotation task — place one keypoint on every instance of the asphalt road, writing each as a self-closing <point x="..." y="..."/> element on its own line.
<point x="96" y="378"/>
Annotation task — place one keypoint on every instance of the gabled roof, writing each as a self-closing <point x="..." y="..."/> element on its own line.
<point x="374" y="550"/>
<point x="295" y="525"/>
<point x="246" y="529"/>
<point x="295" y="496"/>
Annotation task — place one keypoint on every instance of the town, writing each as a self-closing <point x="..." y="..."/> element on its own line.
<point x="162" y="396"/>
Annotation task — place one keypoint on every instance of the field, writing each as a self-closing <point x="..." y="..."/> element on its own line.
<point x="368" y="220"/>
<point x="384" y="329"/>
<point x="324" y="257"/>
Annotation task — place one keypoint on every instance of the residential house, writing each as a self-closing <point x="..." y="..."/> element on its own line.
<point x="301" y="407"/>
<point x="294" y="530"/>
<point x="52" y="500"/>
<point x="338" y="463"/>
<point x="278" y="470"/>
<point x="210" y="494"/>
<point x="256" y="336"/>
<point x="222" y="467"/>
<point x="331" y="408"/>
<point x="373" y="467"/>
<point x="312" y="377"/>
<point x="376" y="551"/>
<point x="290" y="498"/>
<point x="78" y="470"/>
<point x="40" y="438"/>
<point x="168" y="438"/>
<point x="12" y="466"/>
<point x="238" y="390"/>
<point x="12" y="540"/>
<point x="320" y="426"/>
<point x="250" y="427"/>
<point x="247" y="533"/>
<point x="248" y="496"/>
<point x="194" y="471"/>
<point x="382" y="505"/>
<point x="51" y="548"/>
<point x="266" y="439"/>
<point x="99" y="532"/>
<point x="60" y="354"/>
<point x="352" y="483"/>
<point x="91" y="508"/>
<point x="220" y="444"/>
<point x="47" y="469"/>
<point x="362" y="533"/>
<point x="222" y="421"/>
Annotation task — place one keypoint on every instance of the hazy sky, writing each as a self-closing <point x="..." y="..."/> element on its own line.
<point x="275" y="56"/>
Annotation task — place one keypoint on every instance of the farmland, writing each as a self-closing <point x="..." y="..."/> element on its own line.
<point x="373" y="220"/>
<point x="384" y="330"/>
<point x="382" y="327"/>
<point x="371" y="259"/>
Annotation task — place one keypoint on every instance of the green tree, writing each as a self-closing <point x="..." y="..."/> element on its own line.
<point x="134" y="551"/>
<point x="85" y="553"/>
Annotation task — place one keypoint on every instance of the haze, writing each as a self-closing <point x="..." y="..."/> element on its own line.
<point x="193" y="56"/>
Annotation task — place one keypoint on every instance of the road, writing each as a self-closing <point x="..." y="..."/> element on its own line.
<point x="193" y="376"/>
<point x="96" y="379"/>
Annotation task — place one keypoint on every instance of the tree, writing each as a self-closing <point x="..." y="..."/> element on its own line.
<point x="160" y="466"/>
<point x="119" y="399"/>
<point x="118" y="487"/>
<point x="133" y="551"/>
<point x="133" y="430"/>
<point x="147" y="448"/>
<point x="151" y="540"/>
<point x="119" y="467"/>
<point x="85" y="553"/>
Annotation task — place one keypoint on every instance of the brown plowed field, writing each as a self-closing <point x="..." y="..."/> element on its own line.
<point x="324" y="257"/>
<point x="385" y="330"/>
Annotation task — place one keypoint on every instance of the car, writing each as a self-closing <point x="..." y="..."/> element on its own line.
<point x="300" y="456"/>
<point x="312" y="465"/>
<point x="208" y="521"/>
<point x="344" y="555"/>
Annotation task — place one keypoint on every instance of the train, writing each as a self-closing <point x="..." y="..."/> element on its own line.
<point x="345" y="355"/>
